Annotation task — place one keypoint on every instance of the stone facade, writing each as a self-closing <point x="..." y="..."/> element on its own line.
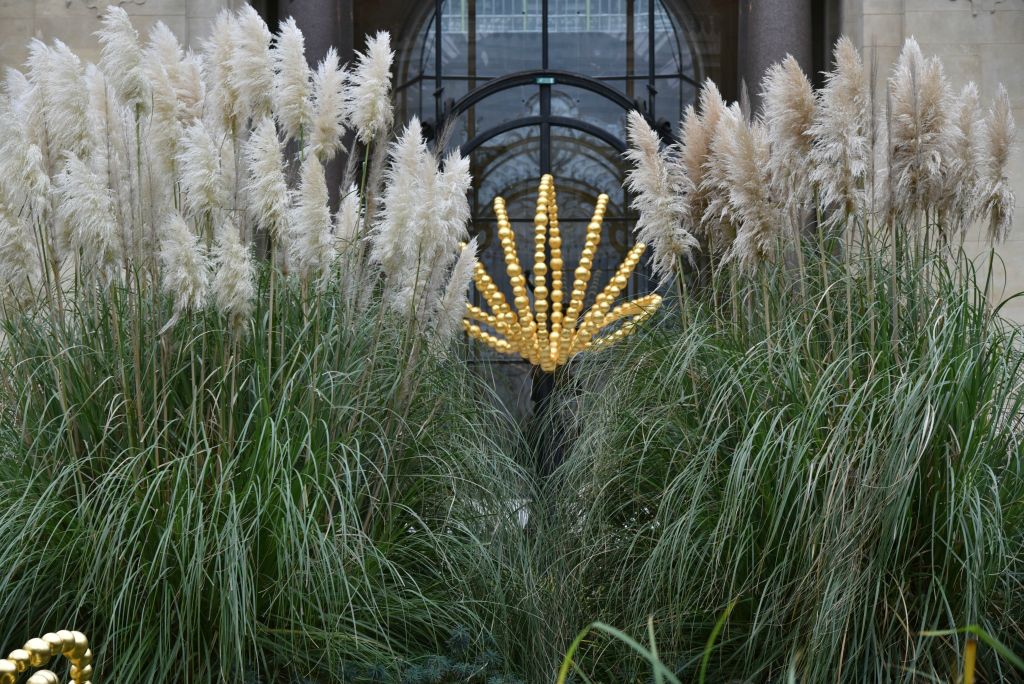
<point x="74" y="21"/>
<point x="977" y="40"/>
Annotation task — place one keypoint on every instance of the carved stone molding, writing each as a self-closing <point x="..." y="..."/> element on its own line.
<point x="101" y="5"/>
<point x="983" y="5"/>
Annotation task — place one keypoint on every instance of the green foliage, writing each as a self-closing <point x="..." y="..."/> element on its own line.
<point x="217" y="507"/>
<point x="836" y="450"/>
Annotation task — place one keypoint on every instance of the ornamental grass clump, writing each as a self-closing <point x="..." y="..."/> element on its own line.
<point x="230" y="446"/>
<point x="826" y="445"/>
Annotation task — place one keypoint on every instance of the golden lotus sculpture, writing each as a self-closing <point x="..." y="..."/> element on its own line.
<point x="37" y="653"/>
<point x="553" y="331"/>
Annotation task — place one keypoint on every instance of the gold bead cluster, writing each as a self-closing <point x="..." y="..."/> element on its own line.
<point x="38" y="652"/>
<point x="552" y="332"/>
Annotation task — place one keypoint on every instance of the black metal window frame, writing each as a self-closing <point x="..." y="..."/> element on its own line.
<point x="544" y="78"/>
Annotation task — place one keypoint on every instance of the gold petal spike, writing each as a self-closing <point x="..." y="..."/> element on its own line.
<point x="552" y="331"/>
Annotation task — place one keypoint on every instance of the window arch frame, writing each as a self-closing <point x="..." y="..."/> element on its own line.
<point x="445" y="111"/>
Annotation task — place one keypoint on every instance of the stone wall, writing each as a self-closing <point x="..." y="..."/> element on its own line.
<point x="977" y="40"/>
<point x="74" y="21"/>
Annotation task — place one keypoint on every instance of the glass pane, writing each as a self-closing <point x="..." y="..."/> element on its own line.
<point x="586" y="105"/>
<point x="672" y="98"/>
<point x="504" y="106"/>
<point x="588" y="36"/>
<point x="671" y="51"/>
<point x="486" y="38"/>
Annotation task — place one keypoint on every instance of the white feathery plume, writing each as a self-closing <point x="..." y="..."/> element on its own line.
<point x="16" y="85"/>
<point x="740" y="154"/>
<point x="452" y="307"/>
<point x="958" y="200"/>
<point x="660" y="200"/>
<point x="840" y="157"/>
<point x="368" y="98"/>
<point x="106" y="116"/>
<point x="57" y="73"/>
<point x="348" y="223"/>
<point x="251" y="65"/>
<point x="182" y="72"/>
<point x="686" y="167"/>
<point x="788" y="113"/>
<point x="919" y="139"/>
<point x="406" y="219"/>
<point x="223" y="98"/>
<point x="311" y="245"/>
<point x="185" y="266"/>
<point x="998" y="197"/>
<point x="348" y="226"/>
<point x="85" y="207"/>
<point x="121" y="59"/>
<point x="440" y="244"/>
<point x="190" y="86"/>
<point x="329" y="107"/>
<point x="24" y="183"/>
<point x="292" y="75"/>
<point x="234" y="282"/>
<point x="718" y="220"/>
<point x="166" y="129"/>
<point x="203" y="179"/>
<point x="267" y="188"/>
<point x="19" y="259"/>
<point x="28" y="107"/>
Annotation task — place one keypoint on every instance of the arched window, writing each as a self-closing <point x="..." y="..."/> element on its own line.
<point x="526" y="87"/>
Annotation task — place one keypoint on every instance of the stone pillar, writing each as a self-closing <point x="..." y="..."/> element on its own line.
<point x="325" y="23"/>
<point x="769" y="29"/>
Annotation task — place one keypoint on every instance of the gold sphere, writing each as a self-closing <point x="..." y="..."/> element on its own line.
<point x="38" y="651"/>
<point x="54" y="642"/>
<point x="20" y="658"/>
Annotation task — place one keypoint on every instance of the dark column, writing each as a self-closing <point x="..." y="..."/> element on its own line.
<point x="769" y="29"/>
<point x="325" y="23"/>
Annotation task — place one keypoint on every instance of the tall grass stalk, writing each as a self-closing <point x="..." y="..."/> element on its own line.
<point x="847" y="492"/>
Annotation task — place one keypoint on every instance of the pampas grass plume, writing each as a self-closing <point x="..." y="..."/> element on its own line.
<point x="292" y="75"/>
<point x="920" y="117"/>
<point x="225" y="106"/>
<point x="185" y="266"/>
<point x="19" y="260"/>
<point x="267" y="187"/>
<point x="203" y="181"/>
<point x="234" y="282"/>
<point x="399" y="230"/>
<point x="57" y="74"/>
<point x="998" y="196"/>
<point x="453" y="304"/>
<point x="789" y="108"/>
<point x="86" y="209"/>
<point x="660" y="201"/>
<point x="251" y="65"/>
<point x="311" y="246"/>
<point x="329" y="107"/>
<point x="368" y="97"/>
<point x="840" y="157"/>
<point x="121" y="59"/>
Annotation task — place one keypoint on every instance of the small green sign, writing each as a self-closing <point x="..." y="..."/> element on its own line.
<point x="545" y="80"/>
